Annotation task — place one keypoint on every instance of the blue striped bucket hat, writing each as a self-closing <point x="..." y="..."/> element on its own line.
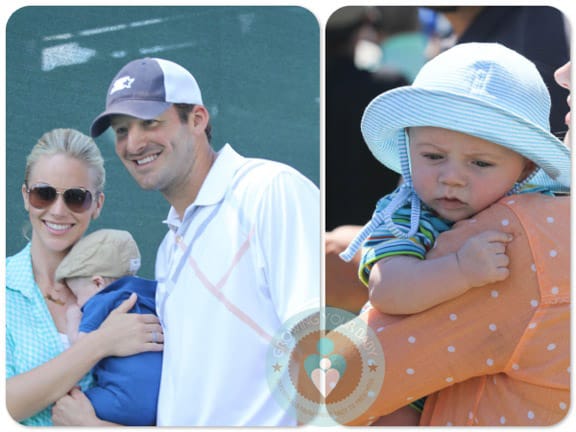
<point x="480" y="89"/>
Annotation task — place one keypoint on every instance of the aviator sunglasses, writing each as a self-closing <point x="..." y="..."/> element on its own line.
<point x="77" y="200"/>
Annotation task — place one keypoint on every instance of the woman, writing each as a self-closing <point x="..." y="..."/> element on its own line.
<point x="62" y="192"/>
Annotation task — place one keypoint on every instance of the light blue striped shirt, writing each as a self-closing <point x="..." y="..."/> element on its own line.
<point x="382" y="243"/>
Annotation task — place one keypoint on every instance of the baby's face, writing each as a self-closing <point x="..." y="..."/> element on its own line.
<point x="83" y="288"/>
<point x="459" y="175"/>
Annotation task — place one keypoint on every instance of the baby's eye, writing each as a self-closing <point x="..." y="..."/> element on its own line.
<point x="482" y="164"/>
<point x="432" y="156"/>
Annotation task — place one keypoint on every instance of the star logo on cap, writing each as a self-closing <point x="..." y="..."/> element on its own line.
<point x="122" y="83"/>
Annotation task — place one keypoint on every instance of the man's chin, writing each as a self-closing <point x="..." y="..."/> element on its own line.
<point x="146" y="183"/>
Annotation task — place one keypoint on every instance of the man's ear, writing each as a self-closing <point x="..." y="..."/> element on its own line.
<point x="199" y="117"/>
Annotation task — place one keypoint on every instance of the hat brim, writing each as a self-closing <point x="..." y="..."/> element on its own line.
<point x="386" y="117"/>
<point x="142" y="109"/>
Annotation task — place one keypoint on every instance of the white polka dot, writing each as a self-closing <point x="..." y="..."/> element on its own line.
<point x="531" y="415"/>
<point x="449" y="423"/>
<point x="451" y="349"/>
<point x="371" y="394"/>
<point x="492" y="327"/>
<point x="532" y="325"/>
<point x="411" y="339"/>
<point x="510" y="202"/>
<point x="534" y="303"/>
<point x="550" y="219"/>
<point x="494" y="294"/>
<point x="551" y="347"/>
<point x="380" y="329"/>
<point x="505" y="222"/>
<point x="472" y="221"/>
<point x="409" y="398"/>
<point x="453" y="317"/>
<point x="489" y="362"/>
<point x="553" y="253"/>
<point x="449" y="379"/>
<point x="515" y="366"/>
<point x="555" y="290"/>
<point x="563" y="405"/>
<point x="502" y="420"/>
<point x="410" y="371"/>
<point x="533" y="267"/>
<point x="470" y="415"/>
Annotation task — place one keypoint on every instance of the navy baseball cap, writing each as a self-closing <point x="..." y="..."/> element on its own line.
<point x="144" y="89"/>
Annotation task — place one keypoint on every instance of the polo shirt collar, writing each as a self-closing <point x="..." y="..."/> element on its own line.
<point x="215" y="184"/>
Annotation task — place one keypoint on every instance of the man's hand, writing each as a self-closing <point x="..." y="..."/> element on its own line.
<point x="482" y="259"/>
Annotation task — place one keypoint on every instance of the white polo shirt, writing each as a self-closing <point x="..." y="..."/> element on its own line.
<point x="244" y="259"/>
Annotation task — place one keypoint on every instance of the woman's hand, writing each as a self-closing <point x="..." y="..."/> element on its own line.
<point x="74" y="409"/>
<point x="125" y="334"/>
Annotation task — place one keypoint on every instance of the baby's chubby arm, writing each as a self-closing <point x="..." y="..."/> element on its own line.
<point x="407" y="285"/>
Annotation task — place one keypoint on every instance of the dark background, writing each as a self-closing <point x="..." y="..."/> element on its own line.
<point x="258" y="68"/>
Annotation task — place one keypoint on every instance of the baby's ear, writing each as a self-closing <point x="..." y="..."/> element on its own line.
<point x="529" y="168"/>
<point x="98" y="281"/>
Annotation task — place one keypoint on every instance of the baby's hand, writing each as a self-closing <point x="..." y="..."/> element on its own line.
<point x="483" y="260"/>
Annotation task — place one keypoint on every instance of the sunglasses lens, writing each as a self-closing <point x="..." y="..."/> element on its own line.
<point x="78" y="200"/>
<point x="42" y="196"/>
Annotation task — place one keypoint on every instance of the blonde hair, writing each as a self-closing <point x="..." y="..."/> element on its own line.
<point x="71" y="143"/>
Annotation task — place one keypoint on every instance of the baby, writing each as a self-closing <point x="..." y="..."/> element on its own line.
<point x="471" y="129"/>
<point x="99" y="270"/>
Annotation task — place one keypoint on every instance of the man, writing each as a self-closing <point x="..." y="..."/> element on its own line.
<point x="241" y="256"/>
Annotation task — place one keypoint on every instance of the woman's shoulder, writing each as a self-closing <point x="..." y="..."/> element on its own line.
<point x="18" y="266"/>
<point x="17" y="258"/>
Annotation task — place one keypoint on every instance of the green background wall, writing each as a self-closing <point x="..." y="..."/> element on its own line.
<point x="258" y="68"/>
